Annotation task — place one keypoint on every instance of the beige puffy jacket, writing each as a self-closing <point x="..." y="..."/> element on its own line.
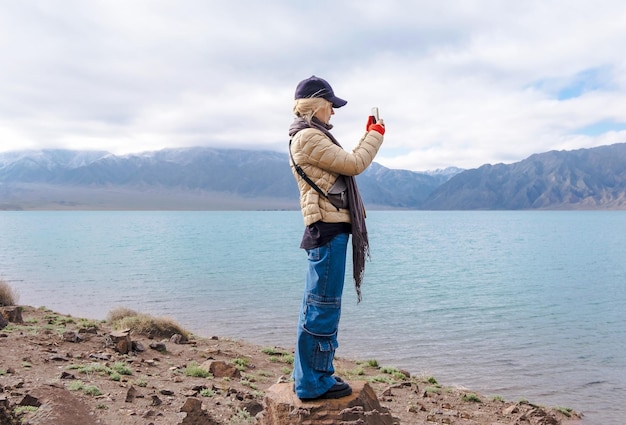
<point x="323" y="161"/>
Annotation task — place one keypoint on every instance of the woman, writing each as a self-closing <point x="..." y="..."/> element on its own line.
<point x="316" y="156"/>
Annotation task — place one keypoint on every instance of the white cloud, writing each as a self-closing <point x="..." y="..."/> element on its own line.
<point x="459" y="83"/>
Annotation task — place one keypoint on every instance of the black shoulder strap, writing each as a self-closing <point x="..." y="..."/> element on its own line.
<point x="302" y="174"/>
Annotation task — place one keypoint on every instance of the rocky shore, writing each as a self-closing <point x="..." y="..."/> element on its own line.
<point x="57" y="369"/>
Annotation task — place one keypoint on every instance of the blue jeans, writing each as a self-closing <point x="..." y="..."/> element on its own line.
<point x="319" y="319"/>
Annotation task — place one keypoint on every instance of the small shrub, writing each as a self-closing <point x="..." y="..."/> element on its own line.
<point x="471" y="397"/>
<point x="249" y="383"/>
<point x="122" y="368"/>
<point x="92" y="390"/>
<point x="145" y="324"/>
<point x="565" y="410"/>
<point x="497" y="398"/>
<point x="120" y="313"/>
<point x="272" y="351"/>
<point x="141" y="382"/>
<point x="431" y="380"/>
<point x="241" y="364"/>
<point x="241" y="417"/>
<point x="207" y="392"/>
<point x="75" y="386"/>
<point x="8" y="296"/>
<point x="434" y="390"/>
<point x="24" y="409"/>
<point x="393" y="372"/>
<point x="381" y="378"/>
<point x="373" y="363"/>
<point x="193" y="369"/>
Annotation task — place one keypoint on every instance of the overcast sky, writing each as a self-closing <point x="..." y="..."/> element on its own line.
<point x="459" y="83"/>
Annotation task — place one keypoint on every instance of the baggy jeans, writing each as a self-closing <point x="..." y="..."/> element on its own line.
<point x="319" y="319"/>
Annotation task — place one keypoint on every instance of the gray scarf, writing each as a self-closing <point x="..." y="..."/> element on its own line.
<point x="360" y="243"/>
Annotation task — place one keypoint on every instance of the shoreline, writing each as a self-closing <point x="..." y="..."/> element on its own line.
<point x="36" y="356"/>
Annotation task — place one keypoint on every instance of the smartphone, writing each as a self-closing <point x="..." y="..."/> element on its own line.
<point x="375" y="114"/>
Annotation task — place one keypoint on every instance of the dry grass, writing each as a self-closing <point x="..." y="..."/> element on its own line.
<point x="8" y="296"/>
<point x="145" y="324"/>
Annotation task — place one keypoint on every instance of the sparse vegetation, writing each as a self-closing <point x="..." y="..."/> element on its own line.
<point x="122" y="368"/>
<point x="92" y="390"/>
<point x="372" y="363"/>
<point x="114" y="372"/>
<point x="411" y="401"/>
<point x="272" y="351"/>
<point x="145" y="324"/>
<point x="241" y="417"/>
<point x="194" y="369"/>
<point x="24" y="409"/>
<point x="8" y="296"/>
<point x="565" y="410"/>
<point x="141" y="382"/>
<point x="471" y="397"/>
<point x="240" y="363"/>
<point x="393" y="372"/>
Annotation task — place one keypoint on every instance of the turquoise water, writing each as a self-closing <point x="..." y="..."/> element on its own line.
<point x="525" y="305"/>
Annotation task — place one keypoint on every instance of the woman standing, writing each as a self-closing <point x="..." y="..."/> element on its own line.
<point x="318" y="162"/>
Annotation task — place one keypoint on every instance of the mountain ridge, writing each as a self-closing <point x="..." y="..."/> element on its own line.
<point x="208" y="178"/>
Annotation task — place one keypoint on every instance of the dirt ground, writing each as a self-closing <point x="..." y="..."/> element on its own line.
<point x="49" y="377"/>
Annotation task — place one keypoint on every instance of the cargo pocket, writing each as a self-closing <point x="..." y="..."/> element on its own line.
<point x="324" y="355"/>
<point x="321" y="316"/>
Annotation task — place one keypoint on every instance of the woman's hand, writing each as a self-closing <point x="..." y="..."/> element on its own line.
<point x="375" y="126"/>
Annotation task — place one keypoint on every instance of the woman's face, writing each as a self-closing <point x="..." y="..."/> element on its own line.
<point x="325" y="113"/>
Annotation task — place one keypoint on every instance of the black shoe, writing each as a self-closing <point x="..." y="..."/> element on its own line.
<point x="340" y="389"/>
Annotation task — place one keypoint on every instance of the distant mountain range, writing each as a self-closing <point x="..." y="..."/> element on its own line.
<point x="205" y="178"/>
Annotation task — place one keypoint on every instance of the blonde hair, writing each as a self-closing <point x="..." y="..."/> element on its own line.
<point x="307" y="108"/>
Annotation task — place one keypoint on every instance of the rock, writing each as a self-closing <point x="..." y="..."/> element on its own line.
<point x="58" y="358"/>
<point x="6" y="415"/>
<point x="195" y="415"/>
<point x="29" y="400"/>
<point x="71" y="336"/>
<point x="138" y="347"/>
<point x="282" y="407"/>
<point x="67" y="375"/>
<point x="159" y="346"/>
<point x="178" y="339"/>
<point x="4" y="322"/>
<point x="253" y="407"/>
<point x="12" y="313"/>
<point x="131" y="394"/>
<point x="60" y="406"/>
<point x="156" y="401"/>
<point x="100" y="356"/>
<point x="220" y="369"/>
<point x="121" y="341"/>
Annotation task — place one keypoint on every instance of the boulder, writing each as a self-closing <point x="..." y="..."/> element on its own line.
<point x="362" y="407"/>
<point x="195" y="415"/>
<point x="121" y="341"/>
<point x="12" y="313"/>
<point x="220" y="369"/>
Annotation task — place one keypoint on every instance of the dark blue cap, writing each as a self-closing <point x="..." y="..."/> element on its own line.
<point x="318" y="87"/>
